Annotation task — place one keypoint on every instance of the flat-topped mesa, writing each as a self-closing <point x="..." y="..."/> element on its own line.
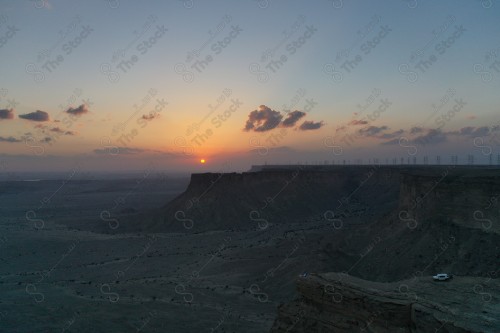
<point x="293" y="193"/>
<point x="334" y="302"/>
<point x="216" y="201"/>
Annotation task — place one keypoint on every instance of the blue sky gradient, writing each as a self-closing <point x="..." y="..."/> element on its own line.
<point x="344" y="52"/>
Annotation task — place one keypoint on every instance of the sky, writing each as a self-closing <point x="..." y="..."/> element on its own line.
<point x="115" y="85"/>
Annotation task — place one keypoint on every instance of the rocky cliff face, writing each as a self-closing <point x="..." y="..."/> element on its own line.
<point x="446" y="220"/>
<point x="217" y="201"/>
<point x="246" y="201"/>
<point x="341" y="303"/>
<point x="400" y="221"/>
<point x="468" y="198"/>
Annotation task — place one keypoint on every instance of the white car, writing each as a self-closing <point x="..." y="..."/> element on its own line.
<point x="442" y="277"/>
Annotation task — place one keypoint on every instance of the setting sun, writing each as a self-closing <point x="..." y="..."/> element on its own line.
<point x="202" y="161"/>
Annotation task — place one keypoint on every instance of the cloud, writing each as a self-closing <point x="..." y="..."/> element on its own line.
<point x="372" y="130"/>
<point x="473" y="131"/>
<point x="57" y="130"/>
<point x="78" y="111"/>
<point x="262" y="120"/>
<point x="415" y="130"/>
<point x="292" y="118"/>
<point x="341" y="128"/>
<point x="10" y="139"/>
<point x="310" y="125"/>
<point x="465" y="130"/>
<point x="35" y="116"/>
<point x="6" y="113"/>
<point x="119" y="150"/>
<point x="433" y="136"/>
<point x="394" y="141"/>
<point x="60" y="131"/>
<point x="47" y="139"/>
<point x="358" y="122"/>
<point x="150" y="116"/>
<point x="392" y="135"/>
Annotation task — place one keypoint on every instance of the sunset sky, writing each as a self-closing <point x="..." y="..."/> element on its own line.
<point x="123" y="85"/>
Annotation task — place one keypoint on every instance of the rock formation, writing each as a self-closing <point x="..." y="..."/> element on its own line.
<point x="334" y="302"/>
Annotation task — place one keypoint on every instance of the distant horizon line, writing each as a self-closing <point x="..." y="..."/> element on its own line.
<point x="33" y="176"/>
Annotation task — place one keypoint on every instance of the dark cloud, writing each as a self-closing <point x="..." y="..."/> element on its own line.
<point x="391" y="142"/>
<point x="61" y="131"/>
<point x="119" y="150"/>
<point x="473" y="131"/>
<point x="47" y="139"/>
<point x="35" y="116"/>
<point x="482" y="131"/>
<point x="262" y="120"/>
<point x="6" y="113"/>
<point x="57" y="130"/>
<point x="150" y="116"/>
<point x="415" y="130"/>
<point x="358" y="122"/>
<point x="372" y="130"/>
<point x="465" y="131"/>
<point x="82" y="109"/>
<point x="292" y="118"/>
<point x="310" y="125"/>
<point x="396" y="134"/>
<point x="433" y="136"/>
<point x="10" y="139"/>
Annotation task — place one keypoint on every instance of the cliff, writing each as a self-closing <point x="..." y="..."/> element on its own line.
<point x="246" y="201"/>
<point x="465" y="197"/>
<point x="394" y="226"/>
<point x="335" y="302"/>
<point x="446" y="220"/>
<point x="289" y="194"/>
<point x="399" y="220"/>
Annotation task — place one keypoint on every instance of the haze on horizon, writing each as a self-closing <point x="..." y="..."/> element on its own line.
<point x="122" y="86"/>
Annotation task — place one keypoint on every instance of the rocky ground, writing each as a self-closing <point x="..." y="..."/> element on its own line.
<point x="107" y="256"/>
<point x="334" y="302"/>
